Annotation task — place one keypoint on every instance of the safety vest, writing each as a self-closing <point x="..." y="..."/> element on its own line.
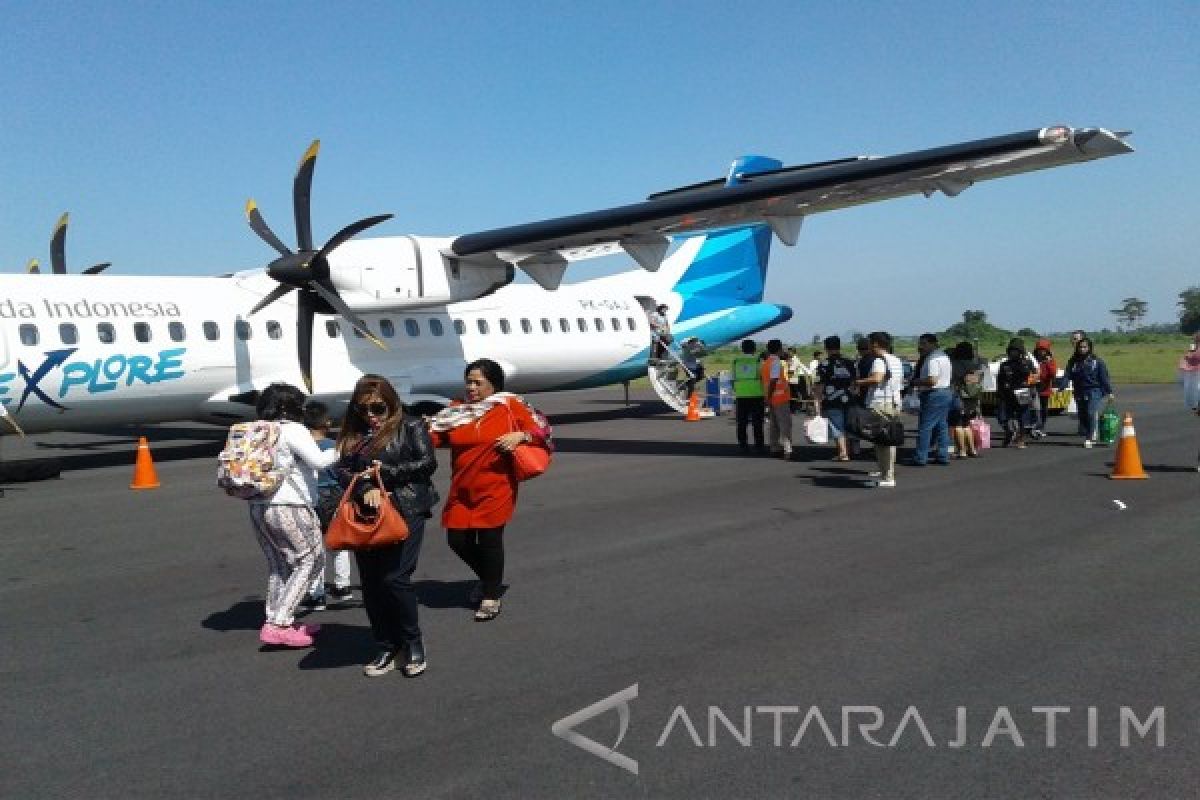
<point x="746" y="382"/>
<point x="782" y="392"/>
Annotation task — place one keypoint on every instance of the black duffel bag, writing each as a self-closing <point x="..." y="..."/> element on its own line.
<point x="873" y="426"/>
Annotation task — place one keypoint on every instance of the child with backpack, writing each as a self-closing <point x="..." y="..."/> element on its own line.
<point x="329" y="494"/>
<point x="273" y="463"/>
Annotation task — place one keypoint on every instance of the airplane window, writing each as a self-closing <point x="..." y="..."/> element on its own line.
<point x="177" y="332"/>
<point x="141" y="331"/>
<point x="483" y="326"/>
<point x="106" y="333"/>
<point x="505" y="327"/>
<point x="29" y="335"/>
<point x="460" y="327"/>
<point x="599" y="325"/>
<point x="564" y="325"/>
<point x="435" y="327"/>
<point x="546" y="326"/>
<point x="616" y="324"/>
<point x="411" y="327"/>
<point x="211" y="331"/>
<point x="331" y="328"/>
<point x="632" y="324"/>
<point x="242" y="328"/>
<point x="582" y="325"/>
<point x="526" y="327"/>
<point x="274" y="329"/>
<point x="387" y="328"/>
<point x="68" y="333"/>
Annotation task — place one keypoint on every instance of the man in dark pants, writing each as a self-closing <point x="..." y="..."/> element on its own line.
<point x="748" y="396"/>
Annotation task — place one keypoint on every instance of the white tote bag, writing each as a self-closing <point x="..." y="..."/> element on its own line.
<point x="816" y="430"/>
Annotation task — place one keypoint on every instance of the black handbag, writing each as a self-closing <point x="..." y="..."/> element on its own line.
<point x="873" y="426"/>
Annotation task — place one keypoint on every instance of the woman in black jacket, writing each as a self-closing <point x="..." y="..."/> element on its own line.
<point x="375" y="432"/>
<point x="1014" y="393"/>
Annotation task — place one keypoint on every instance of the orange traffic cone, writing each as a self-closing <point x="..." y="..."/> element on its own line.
<point x="144" y="476"/>
<point x="693" y="412"/>
<point x="1128" y="463"/>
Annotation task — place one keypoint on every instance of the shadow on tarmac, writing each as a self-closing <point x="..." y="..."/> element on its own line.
<point x="130" y="434"/>
<point x="125" y="458"/>
<point x="444" y="594"/>
<point x="635" y="410"/>
<point x="246" y="615"/>
<point x="339" y="646"/>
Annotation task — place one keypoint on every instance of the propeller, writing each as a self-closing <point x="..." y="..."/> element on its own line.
<point x="58" y="260"/>
<point x="307" y="270"/>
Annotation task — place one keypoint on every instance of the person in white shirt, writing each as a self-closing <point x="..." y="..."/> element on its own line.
<point x="660" y="332"/>
<point x="799" y="378"/>
<point x="933" y="388"/>
<point x="882" y="386"/>
<point x="286" y="524"/>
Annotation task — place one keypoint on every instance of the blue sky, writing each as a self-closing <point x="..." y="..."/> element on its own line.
<point x="153" y="122"/>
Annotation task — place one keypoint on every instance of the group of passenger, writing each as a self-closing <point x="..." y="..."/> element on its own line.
<point x="945" y="389"/>
<point x="377" y="438"/>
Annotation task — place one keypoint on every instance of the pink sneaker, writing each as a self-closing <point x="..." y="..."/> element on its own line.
<point x="284" y="637"/>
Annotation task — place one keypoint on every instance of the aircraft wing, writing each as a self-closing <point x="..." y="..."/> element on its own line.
<point x="778" y="197"/>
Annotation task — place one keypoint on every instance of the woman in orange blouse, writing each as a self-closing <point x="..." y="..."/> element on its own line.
<point x="481" y="434"/>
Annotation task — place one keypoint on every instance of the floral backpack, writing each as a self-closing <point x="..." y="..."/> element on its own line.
<point x="248" y="467"/>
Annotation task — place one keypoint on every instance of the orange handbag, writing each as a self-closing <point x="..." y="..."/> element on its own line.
<point x="357" y="527"/>
<point x="528" y="460"/>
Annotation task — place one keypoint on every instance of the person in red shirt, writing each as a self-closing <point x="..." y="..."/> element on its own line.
<point x="481" y="433"/>
<point x="1046" y="378"/>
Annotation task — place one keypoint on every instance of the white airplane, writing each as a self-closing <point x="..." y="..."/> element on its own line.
<point x="78" y="352"/>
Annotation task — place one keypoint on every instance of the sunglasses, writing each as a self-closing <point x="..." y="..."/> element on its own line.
<point x="376" y="409"/>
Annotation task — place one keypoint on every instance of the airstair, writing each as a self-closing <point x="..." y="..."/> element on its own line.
<point x="669" y="377"/>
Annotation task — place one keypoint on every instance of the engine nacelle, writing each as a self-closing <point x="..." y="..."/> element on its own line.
<point x="399" y="272"/>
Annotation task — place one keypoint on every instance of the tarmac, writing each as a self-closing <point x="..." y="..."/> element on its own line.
<point x="652" y="554"/>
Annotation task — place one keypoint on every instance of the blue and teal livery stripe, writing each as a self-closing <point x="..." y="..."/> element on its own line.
<point x="730" y="270"/>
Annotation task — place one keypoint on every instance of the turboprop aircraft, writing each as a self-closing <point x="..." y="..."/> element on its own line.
<point x="77" y="353"/>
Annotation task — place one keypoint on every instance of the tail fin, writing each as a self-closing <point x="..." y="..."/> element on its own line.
<point x="726" y="268"/>
<point x="719" y="270"/>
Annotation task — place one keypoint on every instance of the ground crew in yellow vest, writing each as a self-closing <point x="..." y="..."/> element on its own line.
<point x="748" y="396"/>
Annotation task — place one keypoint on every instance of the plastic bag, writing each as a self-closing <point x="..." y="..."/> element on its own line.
<point x="816" y="430"/>
<point x="981" y="432"/>
<point x="1110" y="424"/>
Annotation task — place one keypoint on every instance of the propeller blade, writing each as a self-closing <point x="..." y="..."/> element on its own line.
<point x="301" y="196"/>
<point x="304" y="329"/>
<point x="97" y="269"/>
<point x="32" y="268"/>
<point x="58" y="246"/>
<point x="259" y="226"/>
<point x="276" y="293"/>
<point x="331" y="296"/>
<point x="350" y="231"/>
